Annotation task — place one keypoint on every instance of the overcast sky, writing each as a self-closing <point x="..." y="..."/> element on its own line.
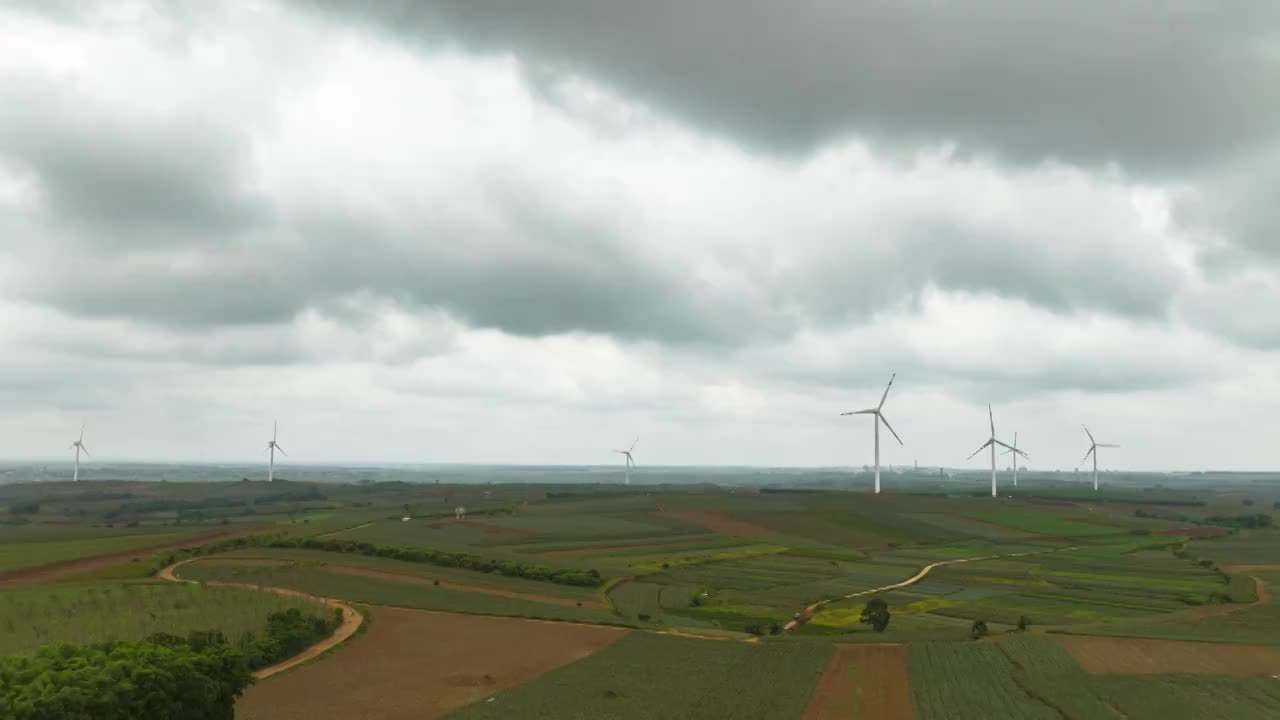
<point x="521" y="232"/>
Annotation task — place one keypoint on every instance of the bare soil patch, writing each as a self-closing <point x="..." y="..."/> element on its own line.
<point x="81" y="566"/>
<point x="1105" y="655"/>
<point x="863" y="681"/>
<point x="414" y="580"/>
<point x="416" y="664"/>
<point x="491" y="529"/>
<point x="717" y="521"/>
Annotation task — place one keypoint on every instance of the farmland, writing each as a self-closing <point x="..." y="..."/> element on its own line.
<point x="625" y="577"/>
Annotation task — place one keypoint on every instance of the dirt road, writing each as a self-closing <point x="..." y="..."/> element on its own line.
<point x="808" y="612"/>
<point x="351" y="619"/>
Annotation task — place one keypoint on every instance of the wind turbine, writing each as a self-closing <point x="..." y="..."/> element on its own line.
<point x="1093" y="450"/>
<point x="992" y="442"/>
<point x="628" y="461"/>
<point x="879" y="418"/>
<point x="272" y="447"/>
<point x="79" y="446"/>
<point x="1015" y="460"/>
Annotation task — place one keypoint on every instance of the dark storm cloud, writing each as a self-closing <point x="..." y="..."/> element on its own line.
<point x="127" y="178"/>
<point x="1149" y="85"/>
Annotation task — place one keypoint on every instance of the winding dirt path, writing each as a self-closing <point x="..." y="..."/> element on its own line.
<point x="808" y="612"/>
<point x="351" y="620"/>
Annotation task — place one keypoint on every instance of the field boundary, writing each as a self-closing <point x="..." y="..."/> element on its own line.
<point x="351" y="618"/>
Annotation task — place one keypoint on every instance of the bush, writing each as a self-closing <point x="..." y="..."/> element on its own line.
<point x="775" y="628"/>
<point x="27" y="508"/>
<point x="1023" y="622"/>
<point x="755" y="629"/>
<point x="978" y="630"/>
<point x="643" y="616"/>
<point x="288" y="633"/>
<point x="876" y="614"/>
<point x="1248" y="502"/>
<point x="162" y="678"/>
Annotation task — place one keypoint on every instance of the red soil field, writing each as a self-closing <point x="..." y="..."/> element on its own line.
<point x="863" y="681"/>
<point x="418" y="664"/>
<point x="1102" y="655"/>
<point x="717" y="522"/>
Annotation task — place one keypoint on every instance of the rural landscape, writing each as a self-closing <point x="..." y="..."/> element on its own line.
<point x="803" y="597"/>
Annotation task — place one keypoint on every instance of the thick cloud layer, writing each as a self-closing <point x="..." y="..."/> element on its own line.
<point x="448" y="232"/>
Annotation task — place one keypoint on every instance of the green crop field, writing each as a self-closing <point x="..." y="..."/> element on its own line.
<point x="962" y="681"/>
<point x="33" y="617"/>
<point x="646" y="676"/>
<point x="383" y="591"/>
<point x="16" y="555"/>
<point x="1189" y="697"/>
<point x="1045" y="523"/>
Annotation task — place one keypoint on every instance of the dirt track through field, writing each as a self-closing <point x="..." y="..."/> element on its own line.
<point x="487" y="527"/>
<point x="1132" y="656"/>
<point x="420" y="664"/>
<point x="82" y="566"/>
<point x="351" y="619"/>
<point x="808" y="612"/>
<point x="863" y="681"/>
<point x="717" y="522"/>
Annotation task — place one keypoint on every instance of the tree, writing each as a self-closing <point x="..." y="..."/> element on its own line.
<point x="1023" y="622"/>
<point x="1248" y="502"/>
<point x="775" y="628"/>
<point x="979" y="630"/>
<point x="876" y="614"/>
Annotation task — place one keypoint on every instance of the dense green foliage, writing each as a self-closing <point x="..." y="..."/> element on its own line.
<point x="1249" y="522"/>
<point x="288" y="633"/>
<point x="32" y="617"/>
<point x="162" y="678"/>
<point x="876" y="614"/>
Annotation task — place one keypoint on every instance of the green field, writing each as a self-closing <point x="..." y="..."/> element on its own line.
<point x="647" y="676"/>
<point x="17" y="555"/>
<point x="315" y="580"/>
<point x="33" y="617"/>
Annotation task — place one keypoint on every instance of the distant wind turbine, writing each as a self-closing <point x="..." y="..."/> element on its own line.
<point x="272" y="447"/>
<point x="628" y="461"/>
<point x="1015" y="460"/>
<point x="879" y="418"/>
<point x="1093" y="450"/>
<point x="992" y="442"/>
<point x="79" y="446"/>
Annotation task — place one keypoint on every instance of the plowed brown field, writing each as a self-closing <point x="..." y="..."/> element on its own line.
<point x="420" y="664"/>
<point x="1158" y="657"/>
<point x="863" y="681"/>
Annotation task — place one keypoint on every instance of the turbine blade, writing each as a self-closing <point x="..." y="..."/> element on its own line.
<point x="991" y="414"/>
<point x="282" y="452"/>
<point x="84" y="449"/>
<point x="886" y="391"/>
<point x="886" y="424"/>
<point x="1003" y="444"/>
<point x="1086" y="432"/>
<point x="1086" y="455"/>
<point x="985" y="445"/>
<point x="633" y="445"/>
<point x="872" y="411"/>
<point x="81" y="432"/>
<point x="1107" y="446"/>
<point x="275" y="430"/>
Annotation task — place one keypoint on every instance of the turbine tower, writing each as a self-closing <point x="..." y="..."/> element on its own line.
<point x="879" y="418"/>
<point x="992" y="442"/>
<point x="272" y="447"/>
<point x="627" y="460"/>
<point x="1015" y="460"/>
<point x="1093" y="450"/>
<point x="79" y="446"/>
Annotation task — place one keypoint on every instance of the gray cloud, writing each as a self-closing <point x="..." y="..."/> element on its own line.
<point x="1148" y="85"/>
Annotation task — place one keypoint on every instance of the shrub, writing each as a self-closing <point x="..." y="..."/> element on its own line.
<point x="27" y="508"/>
<point x="755" y="629"/>
<point x="643" y="616"/>
<point x="1023" y="622"/>
<point x="876" y="614"/>
<point x="978" y="630"/>
<point x="1248" y="502"/>
<point x="162" y="678"/>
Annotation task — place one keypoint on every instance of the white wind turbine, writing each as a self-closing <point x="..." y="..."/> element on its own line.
<point x="1015" y="460"/>
<point x="1093" y="450"/>
<point x="79" y="446"/>
<point x="272" y="447"/>
<point x="992" y="442"/>
<point x="879" y="418"/>
<point x="628" y="461"/>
